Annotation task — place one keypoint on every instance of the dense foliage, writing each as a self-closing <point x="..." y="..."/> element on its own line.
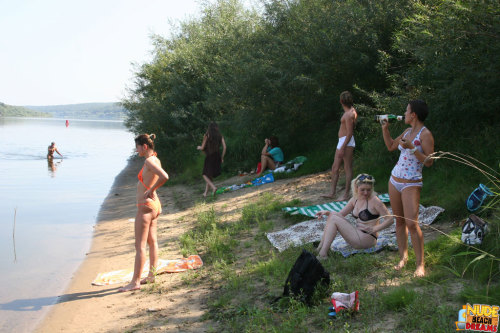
<point x="19" y="111"/>
<point x="280" y="71"/>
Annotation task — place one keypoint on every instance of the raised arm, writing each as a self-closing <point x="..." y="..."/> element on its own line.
<point x="390" y="143"/>
<point x="264" y="150"/>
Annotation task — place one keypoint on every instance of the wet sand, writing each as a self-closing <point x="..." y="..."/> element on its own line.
<point x="82" y="305"/>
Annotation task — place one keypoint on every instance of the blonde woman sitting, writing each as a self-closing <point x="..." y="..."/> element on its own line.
<point x="366" y="207"/>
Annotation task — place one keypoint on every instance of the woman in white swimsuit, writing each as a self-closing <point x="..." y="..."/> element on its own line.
<point x="415" y="144"/>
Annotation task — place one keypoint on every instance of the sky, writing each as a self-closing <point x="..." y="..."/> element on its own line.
<point x="55" y="52"/>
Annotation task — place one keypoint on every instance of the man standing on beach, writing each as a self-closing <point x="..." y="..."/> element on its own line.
<point x="345" y="147"/>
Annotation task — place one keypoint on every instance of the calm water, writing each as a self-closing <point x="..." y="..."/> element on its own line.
<point x="55" y="207"/>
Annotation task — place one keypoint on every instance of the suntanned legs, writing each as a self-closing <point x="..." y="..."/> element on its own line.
<point x="145" y="229"/>
<point x="351" y="234"/>
<point x="347" y="160"/>
<point x="406" y="204"/>
<point x="209" y="184"/>
<point x="266" y="162"/>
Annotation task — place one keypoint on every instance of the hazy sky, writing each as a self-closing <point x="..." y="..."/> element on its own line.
<point x="78" y="51"/>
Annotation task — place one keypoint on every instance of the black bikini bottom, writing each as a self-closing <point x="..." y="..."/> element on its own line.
<point x="370" y="234"/>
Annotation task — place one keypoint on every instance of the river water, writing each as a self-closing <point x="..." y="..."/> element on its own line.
<point x="48" y="210"/>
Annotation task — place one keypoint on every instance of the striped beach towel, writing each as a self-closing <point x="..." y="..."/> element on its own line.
<point x="335" y="206"/>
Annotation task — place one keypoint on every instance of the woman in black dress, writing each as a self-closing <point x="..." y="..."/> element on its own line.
<point x="213" y="159"/>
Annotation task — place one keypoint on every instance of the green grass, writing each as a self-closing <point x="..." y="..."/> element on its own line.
<point x="251" y="274"/>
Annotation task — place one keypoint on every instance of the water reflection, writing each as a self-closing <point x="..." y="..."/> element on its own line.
<point x="52" y="167"/>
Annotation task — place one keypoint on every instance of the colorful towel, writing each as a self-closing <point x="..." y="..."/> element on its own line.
<point x="335" y="206"/>
<point x="164" y="266"/>
<point x="312" y="230"/>
<point x="291" y="165"/>
<point x="269" y="178"/>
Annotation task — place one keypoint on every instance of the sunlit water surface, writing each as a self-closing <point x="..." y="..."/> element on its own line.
<point x="47" y="210"/>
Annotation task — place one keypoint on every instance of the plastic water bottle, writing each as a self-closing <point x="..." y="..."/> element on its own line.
<point x="388" y="117"/>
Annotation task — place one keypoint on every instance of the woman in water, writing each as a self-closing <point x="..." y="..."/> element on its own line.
<point x="363" y="202"/>
<point x="212" y="141"/>
<point x="415" y="144"/>
<point x="151" y="177"/>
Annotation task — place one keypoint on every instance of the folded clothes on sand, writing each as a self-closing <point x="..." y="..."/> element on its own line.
<point x="269" y="178"/>
<point x="335" y="206"/>
<point x="164" y="266"/>
<point x="312" y="230"/>
<point x="291" y="165"/>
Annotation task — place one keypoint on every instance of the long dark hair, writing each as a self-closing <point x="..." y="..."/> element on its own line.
<point x="146" y="139"/>
<point x="214" y="138"/>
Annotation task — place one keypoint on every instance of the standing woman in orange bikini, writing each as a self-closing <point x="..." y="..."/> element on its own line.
<point x="151" y="177"/>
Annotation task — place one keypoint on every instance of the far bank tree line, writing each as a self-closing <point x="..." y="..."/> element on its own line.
<point x="280" y="71"/>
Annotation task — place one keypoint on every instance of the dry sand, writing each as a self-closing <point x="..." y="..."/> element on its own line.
<point x="173" y="306"/>
<point x="87" y="308"/>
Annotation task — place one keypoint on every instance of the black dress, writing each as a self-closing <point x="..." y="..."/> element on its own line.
<point x="213" y="161"/>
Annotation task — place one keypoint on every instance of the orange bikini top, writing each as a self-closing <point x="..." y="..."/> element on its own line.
<point x="139" y="176"/>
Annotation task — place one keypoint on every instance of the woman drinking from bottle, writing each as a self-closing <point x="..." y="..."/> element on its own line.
<point x="415" y="144"/>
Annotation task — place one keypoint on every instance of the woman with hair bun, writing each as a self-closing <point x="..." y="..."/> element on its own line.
<point x="415" y="144"/>
<point x="151" y="177"/>
<point x="212" y="141"/>
<point x="363" y="202"/>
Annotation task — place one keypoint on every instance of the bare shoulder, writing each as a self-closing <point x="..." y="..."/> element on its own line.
<point x="153" y="162"/>
<point x="426" y="134"/>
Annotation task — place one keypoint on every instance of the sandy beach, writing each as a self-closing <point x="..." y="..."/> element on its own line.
<point x="87" y="308"/>
<point x="170" y="304"/>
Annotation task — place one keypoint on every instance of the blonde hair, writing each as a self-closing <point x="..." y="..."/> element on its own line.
<point x="362" y="178"/>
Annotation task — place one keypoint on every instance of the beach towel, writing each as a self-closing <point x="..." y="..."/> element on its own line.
<point x="291" y="165"/>
<point x="269" y="178"/>
<point x="335" y="206"/>
<point x="164" y="266"/>
<point x="312" y="230"/>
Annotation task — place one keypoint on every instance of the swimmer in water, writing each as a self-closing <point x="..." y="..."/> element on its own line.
<point x="51" y="149"/>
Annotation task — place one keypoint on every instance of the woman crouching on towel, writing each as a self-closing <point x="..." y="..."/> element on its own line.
<point x="366" y="207"/>
<point x="151" y="177"/>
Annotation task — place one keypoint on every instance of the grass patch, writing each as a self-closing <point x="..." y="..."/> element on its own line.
<point x="249" y="274"/>
<point x="399" y="298"/>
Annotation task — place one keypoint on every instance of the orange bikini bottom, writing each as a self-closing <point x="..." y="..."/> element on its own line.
<point x="155" y="205"/>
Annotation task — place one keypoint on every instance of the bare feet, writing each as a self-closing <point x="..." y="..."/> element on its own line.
<point x="149" y="279"/>
<point x="401" y="264"/>
<point x="328" y="196"/>
<point x="130" y="287"/>
<point x="321" y="258"/>
<point x="341" y="199"/>
<point x="419" y="272"/>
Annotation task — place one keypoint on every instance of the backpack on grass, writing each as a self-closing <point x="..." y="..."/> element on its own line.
<point x="474" y="230"/>
<point x="304" y="276"/>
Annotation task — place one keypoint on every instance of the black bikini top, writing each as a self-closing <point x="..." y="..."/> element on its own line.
<point x="365" y="214"/>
